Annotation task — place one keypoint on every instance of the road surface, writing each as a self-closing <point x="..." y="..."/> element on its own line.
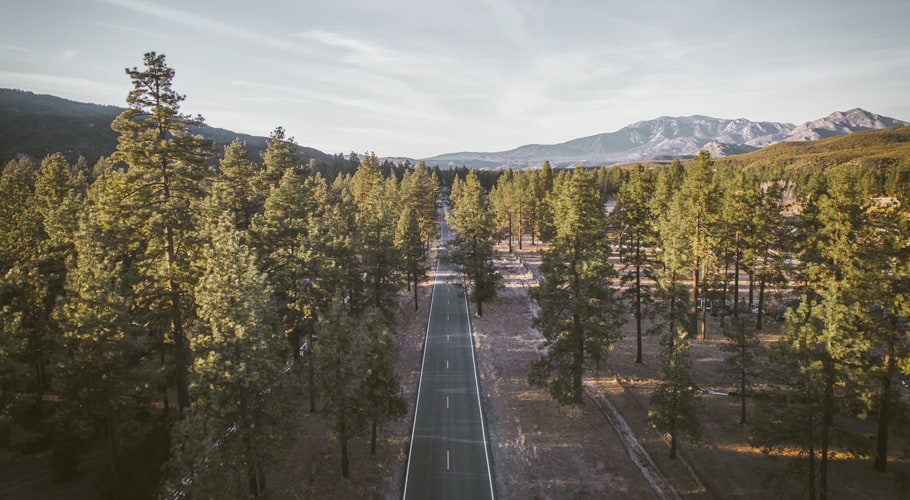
<point x="449" y="457"/>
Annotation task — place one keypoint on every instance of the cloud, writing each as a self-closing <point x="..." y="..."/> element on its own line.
<point x="70" y="54"/>
<point x="204" y="23"/>
<point x="14" y="48"/>
<point x="41" y="81"/>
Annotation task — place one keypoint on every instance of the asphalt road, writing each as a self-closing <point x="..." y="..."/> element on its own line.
<point x="448" y="456"/>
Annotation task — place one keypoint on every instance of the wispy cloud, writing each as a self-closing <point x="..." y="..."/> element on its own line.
<point x="70" y="54"/>
<point x="204" y="23"/>
<point x="40" y="81"/>
<point x="14" y="48"/>
<point x="356" y="104"/>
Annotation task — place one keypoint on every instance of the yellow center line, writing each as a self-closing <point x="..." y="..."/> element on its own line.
<point x="447" y="402"/>
<point x="447" y="364"/>
<point x="448" y="463"/>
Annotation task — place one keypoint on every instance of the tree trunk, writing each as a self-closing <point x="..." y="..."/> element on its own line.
<point x="693" y="308"/>
<point x="704" y="315"/>
<point x="736" y="282"/>
<point x="751" y="288"/>
<point x="811" y="457"/>
<point x="112" y="449"/>
<point x="578" y="332"/>
<point x="510" y="233"/>
<point x="723" y="294"/>
<point x="742" y="378"/>
<point x="373" y="438"/>
<point x="479" y="272"/>
<point x="416" y="281"/>
<point x="884" y="410"/>
<point x="638" y="357"/>
<point x="520" y="219"/>
<point x="165" y="401"/>
<point x="827" y="423"/>
<point x="761" y="302"/>
<point x="181" y="352"/>
<point x="311" y="372"/>
<point x="343" y="440"/>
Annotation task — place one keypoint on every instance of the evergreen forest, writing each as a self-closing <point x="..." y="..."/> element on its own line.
<point x="180" y="305"/>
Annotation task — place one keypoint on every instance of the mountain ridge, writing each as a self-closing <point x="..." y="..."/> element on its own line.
<point x="671" y="137"/>
<point x="41" y="124"/>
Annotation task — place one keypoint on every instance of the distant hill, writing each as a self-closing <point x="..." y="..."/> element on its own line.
<point x="671" y="137"/>
<point x="842" y="123"/>
<point x="38" y="125"/>
<point x="868" y="149"/>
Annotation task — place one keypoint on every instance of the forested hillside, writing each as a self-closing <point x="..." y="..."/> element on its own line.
<point x="874" y="150"/>
<point x="38" y="125"/>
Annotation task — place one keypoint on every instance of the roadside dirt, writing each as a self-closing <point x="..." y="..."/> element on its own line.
<point x="540" y="448"/>
<point x="312" y="468"/>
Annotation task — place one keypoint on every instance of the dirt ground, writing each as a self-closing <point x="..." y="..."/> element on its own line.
<point x="540" y="448"/>
<point x="313" y="465"/>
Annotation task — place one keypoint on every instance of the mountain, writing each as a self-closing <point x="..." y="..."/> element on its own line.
<point x="670" y="137"/>
<point x="869" y="149"/>
<point x="842" y="123"/>
<point x="38" y="125"/>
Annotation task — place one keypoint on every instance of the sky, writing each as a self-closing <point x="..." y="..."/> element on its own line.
<point x="418" y="78"/>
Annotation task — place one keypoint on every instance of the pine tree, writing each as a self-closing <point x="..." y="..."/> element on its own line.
<point x="633" y="215"/>
<point x="544" y="186"/>
<point x="771" y="233"/>
<point x="381" y="389"/>
<point x="674" y="405"/>
<point x="743" y="345"/>
<point x="238" y="357"/>
<point x="472" y="220"/>
<point x="103" y="377"/>
<point x="281" y="154"/>
<point x="280" y="233"/>
<point x="332" y="251"/>
<point x="885" y="257"/>
<point x="164" y="169"/>
<point x="503" y="203"/>
<point x="696" y="198"/>
<point x="735" y="226"/>
<point x="824" y="347"/>
<point x="341" y="350"/>
<point x="579" y="313"/>
<point x="412" y="248"/>
<point x="238" y="189"/>
<point x="420" y="191"/>
<point x="381" y="259"/>
<point x="28" y="280"/>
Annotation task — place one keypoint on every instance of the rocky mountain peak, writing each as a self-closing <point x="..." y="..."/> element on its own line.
<point x="840" y="123"/>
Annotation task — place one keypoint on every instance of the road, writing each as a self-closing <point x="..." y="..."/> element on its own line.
<point x="449" y="457"/>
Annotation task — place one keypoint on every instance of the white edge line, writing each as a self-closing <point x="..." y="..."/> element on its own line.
<point x="486" y="449"/>
<point x="407" y="469"/>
